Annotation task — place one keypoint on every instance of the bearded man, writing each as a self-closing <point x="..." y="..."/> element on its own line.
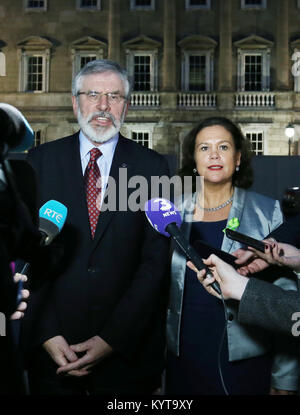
<point x="97" y="325"/>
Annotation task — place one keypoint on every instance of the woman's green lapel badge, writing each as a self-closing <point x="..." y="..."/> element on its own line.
<point x="233" y="224"/>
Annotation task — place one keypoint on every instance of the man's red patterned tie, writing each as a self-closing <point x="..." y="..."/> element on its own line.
<point x="92" y="180"/>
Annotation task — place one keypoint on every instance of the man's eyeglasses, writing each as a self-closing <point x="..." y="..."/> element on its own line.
<point x="94" y="96"/>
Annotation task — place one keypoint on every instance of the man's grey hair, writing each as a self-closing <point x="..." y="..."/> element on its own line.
<point x="100" y="66"/>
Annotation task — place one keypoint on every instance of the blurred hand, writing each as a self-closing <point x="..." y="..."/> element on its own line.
<point x="281" y="392"/>
<point x="283" y="255"/>
<point x="251" y="260"/>
<point x="19" y="313"/>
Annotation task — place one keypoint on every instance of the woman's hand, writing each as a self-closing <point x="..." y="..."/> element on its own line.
<point x="231" y="283"/>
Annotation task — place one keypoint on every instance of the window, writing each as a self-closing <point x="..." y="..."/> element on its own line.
<point x="34" y="74"/>
<point x="142" y="73"/>
<point x="254" y="70"/>
<point x="142" y="4"/>
<point x="84" y="59"/>
<point x="34" y="60"/>
<point x="254" y="4"/>
<point x="142" y="137"/>
<point x="84" y="50"/>
<point x="197" y="4"/>
<point x="89" y="4"/>
<point x="256" y="140"/>
<point x="197" y="71"/>
<point x="36" y="5"/>
<point x="37" y="138"/>
<point x="142" y="69"/>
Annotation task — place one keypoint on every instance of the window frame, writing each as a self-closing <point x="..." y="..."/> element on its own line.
<point x="189" y="6"/>
<point x="88" y="8"/>
<point x="78" y="54"/>
<point x="133" y="6"/>
<point x="131" y="53"/>
<point x="209" y="69"/>
<point x="245" y="6"/>
<point x="35" y="9"/>
<point x="143" y="131"/>
<point x="257" y="152"/>
<point x="256" y="128"/>
<point x="265" y="54"/>
<point x="23" y="81"/>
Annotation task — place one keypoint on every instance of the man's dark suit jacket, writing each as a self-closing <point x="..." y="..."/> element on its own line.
<point x="268" y="306"/>
<point x="114" y="286"/>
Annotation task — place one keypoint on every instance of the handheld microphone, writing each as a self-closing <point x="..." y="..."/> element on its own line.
<point x="165" y="219"/>
<point x="52" y="217"/>
<point x="16" y="133"/>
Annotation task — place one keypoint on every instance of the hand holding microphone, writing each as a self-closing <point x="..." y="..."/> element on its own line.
<point x="165" y="219"/>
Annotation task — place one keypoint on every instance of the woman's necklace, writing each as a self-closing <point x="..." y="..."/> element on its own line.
<point x="218" y="207"/>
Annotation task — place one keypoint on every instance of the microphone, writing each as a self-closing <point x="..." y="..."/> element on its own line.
<point x="16" y="132"/>
<point x="165" y="219"/>
<point x="52" y="217"/>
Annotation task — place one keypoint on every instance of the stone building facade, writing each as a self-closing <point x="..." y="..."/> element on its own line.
<point x="188" y="59"/>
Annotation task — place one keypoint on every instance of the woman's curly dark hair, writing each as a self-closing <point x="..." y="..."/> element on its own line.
<point x="242" y="178"/>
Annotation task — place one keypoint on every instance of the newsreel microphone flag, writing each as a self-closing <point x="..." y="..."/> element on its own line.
<point x="166" y="220"/>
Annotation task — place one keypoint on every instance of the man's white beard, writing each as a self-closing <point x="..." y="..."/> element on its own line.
<point x="99" y="134"/>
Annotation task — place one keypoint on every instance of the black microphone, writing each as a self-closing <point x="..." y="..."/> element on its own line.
<point x="16" y="133"/>
<point x="165" y="219"/>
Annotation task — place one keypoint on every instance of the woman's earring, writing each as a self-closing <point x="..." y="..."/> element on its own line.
<point x="237" y="168"/>
<point x="195" y="170"/>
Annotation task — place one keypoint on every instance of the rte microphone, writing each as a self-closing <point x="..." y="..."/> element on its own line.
<point x="165" y="219"/>
<point x="16" y="133"/>
<point x="52" y="217"/>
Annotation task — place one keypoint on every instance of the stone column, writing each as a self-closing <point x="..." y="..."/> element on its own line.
<point x="169" y="57"/>
<point x="225" y="47"/>
<point x="114" y="31"/>
<point x="282" y="46"/>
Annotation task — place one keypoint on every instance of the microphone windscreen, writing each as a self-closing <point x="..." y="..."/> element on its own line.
<point x="54" y="212"/>
<point x="15" y="130"/>
<point x="160" y="213"/>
